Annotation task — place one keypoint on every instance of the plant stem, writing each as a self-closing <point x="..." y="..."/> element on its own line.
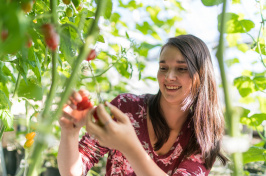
<point x="231" y="118"/>
<point x="17" y="83"/>
<point x="52" y="92"/>
<point x="2" y="130"/>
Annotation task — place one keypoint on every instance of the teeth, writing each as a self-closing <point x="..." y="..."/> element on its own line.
<point x="172" y="87"/>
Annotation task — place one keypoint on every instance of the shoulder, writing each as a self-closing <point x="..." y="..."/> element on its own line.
<point x="128" y="102"/>
<point x="129" y="98"/>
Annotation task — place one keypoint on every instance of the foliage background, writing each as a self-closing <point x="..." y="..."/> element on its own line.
<point x="127" y="40"/>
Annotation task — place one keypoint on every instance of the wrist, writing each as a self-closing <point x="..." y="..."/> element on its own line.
<point x="66" y="133"/>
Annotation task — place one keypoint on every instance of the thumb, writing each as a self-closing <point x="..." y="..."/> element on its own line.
<point x="117" y="113"/>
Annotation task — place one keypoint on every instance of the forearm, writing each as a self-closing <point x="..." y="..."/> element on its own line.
<point x="69" y="159"/>
<point x="141" y="162"/>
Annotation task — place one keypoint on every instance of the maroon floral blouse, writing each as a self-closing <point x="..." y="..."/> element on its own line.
<point x="173" y="163"/>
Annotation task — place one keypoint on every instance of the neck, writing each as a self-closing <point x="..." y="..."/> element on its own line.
<point x="174" y="116"/>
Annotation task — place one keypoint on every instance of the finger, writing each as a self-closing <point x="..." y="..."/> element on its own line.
<point x="117" y="113"/>
<point x="103" y="115"/>
<point x="68" y="116"/>
<point x="76" y="97"/>
<point x="91" y="127"/>
<point x="84" y="93"/>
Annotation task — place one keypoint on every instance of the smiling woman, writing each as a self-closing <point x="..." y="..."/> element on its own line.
<point x="176" y="132"/>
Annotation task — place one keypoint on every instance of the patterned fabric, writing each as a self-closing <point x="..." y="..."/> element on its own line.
<point x="173" y="163"/>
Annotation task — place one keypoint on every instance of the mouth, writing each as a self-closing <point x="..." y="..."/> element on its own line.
<point x="172" y="87"/>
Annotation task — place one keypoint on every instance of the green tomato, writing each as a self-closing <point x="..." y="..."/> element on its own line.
<point x="67" y="2"/>
<point x="69" y="12"/>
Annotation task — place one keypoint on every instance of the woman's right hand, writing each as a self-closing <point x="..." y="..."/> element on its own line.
<point x="73" y="119"/>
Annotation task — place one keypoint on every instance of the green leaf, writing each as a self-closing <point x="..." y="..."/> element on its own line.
<point x="261" y="49"/>
<point x="243" y="47"/>
<point x="32" y="90"/>
<point x="257" y="119"/>
<point x="131" y="5"/>
<point x="211" y="2"/>
<point x="144" y="48"/>
<point x="231" y="62"/>
<point x="145" y="28"/>
<point x="16" y="24"/>
<point x="108" y="10"/>
<point x="260" y="82"/>
<point x="234" y="24"/>
<point x="236" y="1"/>
<point x="154" y="12"/>
<point x="149" y="78"/>
<point x="35" y="66"/>
<point x="7" y="119"/>
<point x="100" y="39"/>
<point x="262" y="102"/>
<point x="76" y="3"/>
<point x="66" y="47"/>
<point x="246" y="100"/>
<point x="254" y="154"/>
<point x="115" y="17"/>
<point x="244" y="85"/>
<point x="4" y="99"/>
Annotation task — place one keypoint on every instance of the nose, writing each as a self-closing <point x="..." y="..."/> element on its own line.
<point x="170" y="75"/>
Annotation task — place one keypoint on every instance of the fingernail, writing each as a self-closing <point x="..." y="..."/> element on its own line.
<point x="73" y="106"/>
<point x="108" y="104"/>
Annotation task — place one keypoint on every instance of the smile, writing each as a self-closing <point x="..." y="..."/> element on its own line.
<point x="173" y="87"/>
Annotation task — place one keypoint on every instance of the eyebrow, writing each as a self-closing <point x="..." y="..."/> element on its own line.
<point x="179" y="62"/>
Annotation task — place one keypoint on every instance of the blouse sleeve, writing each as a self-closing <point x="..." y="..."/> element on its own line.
<point x="192" y="166"/>
<point x="90" y="151"/>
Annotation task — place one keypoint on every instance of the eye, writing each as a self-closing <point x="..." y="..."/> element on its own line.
<point x="182" y="69"/>
<point x="162" y="68"/>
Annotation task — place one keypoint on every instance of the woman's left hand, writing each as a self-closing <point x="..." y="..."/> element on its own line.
<point x="118" y="134"/>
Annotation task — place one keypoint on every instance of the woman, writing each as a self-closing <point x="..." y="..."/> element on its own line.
<point x="178" y="131"/>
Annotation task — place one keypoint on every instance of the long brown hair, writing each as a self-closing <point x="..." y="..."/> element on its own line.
<point x="203" y="103"/>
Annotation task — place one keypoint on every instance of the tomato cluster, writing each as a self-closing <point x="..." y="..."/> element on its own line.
<point x="51" y="37"/>
<point x="78" y="5"/>
<point x="87" y="104"/>
<point x="30" y="140"/>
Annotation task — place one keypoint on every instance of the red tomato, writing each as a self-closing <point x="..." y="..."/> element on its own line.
<point x="52" y="39"/>
<point x="91" y="55"/>
<point x="29" y="43"/>
<point x="84" y="104"/>
<point x="4" y="34"/>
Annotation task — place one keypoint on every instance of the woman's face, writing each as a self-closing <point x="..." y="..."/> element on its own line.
<point x="173" y="76"/>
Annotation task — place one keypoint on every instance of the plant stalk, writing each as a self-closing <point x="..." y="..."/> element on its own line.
<point x="232" y="118"/>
